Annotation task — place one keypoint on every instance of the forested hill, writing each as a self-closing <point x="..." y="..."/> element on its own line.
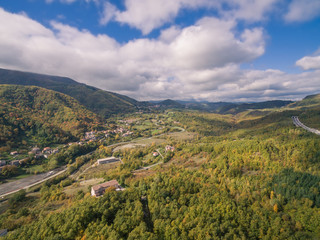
<point x="308" y="101"/>
<point x="101" y="102"/>
<point x="41" y="116"/>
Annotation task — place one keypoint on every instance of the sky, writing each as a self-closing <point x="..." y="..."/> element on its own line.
<point x="203" y="50"/>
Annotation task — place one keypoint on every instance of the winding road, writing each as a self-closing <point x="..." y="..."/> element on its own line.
<point x="297" y="122"/>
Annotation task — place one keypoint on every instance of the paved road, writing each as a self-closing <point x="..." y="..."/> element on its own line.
<point x="24" y="183"/>
<point x="297" y="122"/>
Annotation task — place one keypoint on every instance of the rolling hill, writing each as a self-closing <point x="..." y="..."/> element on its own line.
<point x="308" y="101"/>
<point x="222" y="107"/>
<point x="35" y="115"/>
<point x="96" y="100"/>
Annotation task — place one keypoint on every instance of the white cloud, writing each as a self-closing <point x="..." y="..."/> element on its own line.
<point x="147" y="15"/>
<point x="197" y="62"/>
<point x="305" y="10"/>
<point x="309" y="62"/>
<point x="72" y="1"/>
<point x="109" y="13"/>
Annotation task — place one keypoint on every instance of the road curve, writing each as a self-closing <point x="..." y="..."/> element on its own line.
<point x="297" y="122"/>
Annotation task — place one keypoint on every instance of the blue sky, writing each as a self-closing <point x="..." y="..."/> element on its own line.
<point x="222" y="50"/>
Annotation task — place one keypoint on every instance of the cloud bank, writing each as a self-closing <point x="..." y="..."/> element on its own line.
<point x="147" y="15"/>
<point x="201" y="61"/>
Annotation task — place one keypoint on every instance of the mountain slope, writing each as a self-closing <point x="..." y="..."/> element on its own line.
<point x="308" y="101"/>
<point x="101" y="102"/>
<point x="40" y="116"/>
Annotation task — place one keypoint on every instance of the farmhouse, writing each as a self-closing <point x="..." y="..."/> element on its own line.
<point x="47" y="150"/>
<point x="107" y="160"/>
<point x="99" y="190"/>
<point x="169" y="148"/>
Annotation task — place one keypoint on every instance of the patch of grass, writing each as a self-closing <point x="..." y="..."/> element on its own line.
<point x="36" y="169"/>
<point x="22" y="176"/>
<point x="83" y="185"/>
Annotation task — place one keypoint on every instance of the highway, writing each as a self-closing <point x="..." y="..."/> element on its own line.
<point x="297" y="122"/>
<point x="25" y="183"/>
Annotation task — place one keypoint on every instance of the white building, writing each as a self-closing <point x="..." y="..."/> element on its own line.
<point x="107" y="160"/>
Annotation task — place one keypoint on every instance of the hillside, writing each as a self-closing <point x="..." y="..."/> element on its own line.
<point x="257" y="179"/>
<point x="96" y="100"/>
<point x="36" y="115"/>
<point x="170" y="104"/>
<point x="240" y="107"/>
<point x="222" y="107"/>
<point x="308" y="101"/>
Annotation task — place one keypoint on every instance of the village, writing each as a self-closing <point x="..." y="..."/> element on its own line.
<point x="38" y="153"/>
<point x="37" y="159"/>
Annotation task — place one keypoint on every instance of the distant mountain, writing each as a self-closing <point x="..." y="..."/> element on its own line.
<point x="207" y="106"/>
<point x="234" y="108"/>
<point x="99" y="101"/>
<point x="30" y="114"/>
<point x="170" y="104"/>
<point x="308" y="101"/>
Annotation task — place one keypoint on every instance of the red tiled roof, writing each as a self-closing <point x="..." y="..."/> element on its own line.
<point x="112" y="183"/>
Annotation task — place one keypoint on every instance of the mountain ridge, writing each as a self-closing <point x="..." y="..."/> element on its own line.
<point x="99" y="101"/>
<point x="41" y="116"/>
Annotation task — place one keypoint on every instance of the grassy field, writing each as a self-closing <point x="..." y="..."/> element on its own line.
<point x="82" y="186"/>
<point x="98" y="171"/>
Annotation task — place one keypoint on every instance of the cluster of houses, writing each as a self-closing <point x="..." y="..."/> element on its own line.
<point x="99" y="190"/>
<point x="169" y="148"/>
<point x="45" y="152"/>
<point x="4" y="163"/>
<point x="37" y="152"/>
<point x="93" y="135"/>
<point x="90" y="136"/>
<point x="119" y="130"/>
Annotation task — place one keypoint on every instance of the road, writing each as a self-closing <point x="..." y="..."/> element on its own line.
<point x="297" y="122"/>
<point x="147" y="167"/>
<point x="25" y="183"/>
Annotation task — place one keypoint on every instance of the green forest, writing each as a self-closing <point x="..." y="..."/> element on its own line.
<point x="235" y="179"/>
<point x="249" y="173"/>
<point x="33" y="115"/>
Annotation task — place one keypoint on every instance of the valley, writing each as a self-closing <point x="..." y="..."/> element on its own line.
<point x="237" y="172"/>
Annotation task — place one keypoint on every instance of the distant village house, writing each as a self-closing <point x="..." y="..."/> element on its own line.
<point x="100" y="189"/>
<point x="14" y="153"/>
<point x="169" y="148"/>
